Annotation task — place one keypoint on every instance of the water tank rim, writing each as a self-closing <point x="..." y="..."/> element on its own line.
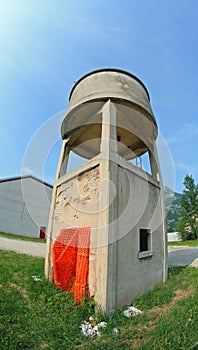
<point x="109" y="70"/>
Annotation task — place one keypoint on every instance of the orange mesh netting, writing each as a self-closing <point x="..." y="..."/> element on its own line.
<point x="70" y="253"/>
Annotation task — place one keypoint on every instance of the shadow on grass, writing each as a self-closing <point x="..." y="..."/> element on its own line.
<point x="173" y="271"/>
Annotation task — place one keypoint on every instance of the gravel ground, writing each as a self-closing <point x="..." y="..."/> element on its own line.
<point x="177" y="256"/>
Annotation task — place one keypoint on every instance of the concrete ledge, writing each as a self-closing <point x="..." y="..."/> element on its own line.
<point x="146" y="254"/>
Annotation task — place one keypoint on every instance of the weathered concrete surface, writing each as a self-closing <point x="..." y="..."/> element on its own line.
<point x="82" y="123"/>
<point x="110" y="83"/>
<point x="23" y="247"/>
<point x="110" y="118"/>
<point x="139" y="195"/>
<point x="77" y="201"/>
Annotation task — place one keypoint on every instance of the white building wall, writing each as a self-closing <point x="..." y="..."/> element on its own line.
<point x="24" y="205"/>
<point x="174" y="237"/>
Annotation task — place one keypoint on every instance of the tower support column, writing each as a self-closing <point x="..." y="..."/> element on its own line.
<point x="106" y="253"/>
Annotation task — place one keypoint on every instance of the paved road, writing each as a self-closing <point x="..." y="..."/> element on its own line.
<point x="183" y="256"/>
<point x="23" y="247"/>
<point x="177" y="256"/>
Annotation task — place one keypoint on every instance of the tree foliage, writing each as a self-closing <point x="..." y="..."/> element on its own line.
<point x="188" y="222"/>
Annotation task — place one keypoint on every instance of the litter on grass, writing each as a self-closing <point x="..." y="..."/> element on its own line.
<point x="36" y="278"/>
<point x="89" y="330"/>
<point x="132" y="311"/>
<point x="116" y="331"/>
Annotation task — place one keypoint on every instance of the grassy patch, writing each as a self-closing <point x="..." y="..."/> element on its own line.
<point x="184" y="243"/>
<point x="23" y="238"/>
<point x="37" y="315"/>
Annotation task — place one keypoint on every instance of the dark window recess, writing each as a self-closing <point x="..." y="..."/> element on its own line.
<point x="42" y="232"/>
<point x="144" y="240"/>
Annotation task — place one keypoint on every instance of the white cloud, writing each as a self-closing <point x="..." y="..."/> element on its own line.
<point x="190" y="169"/>
<point x="27" y="171"/>
<point x="184" y="166"/>
<point x="189" y="131"/>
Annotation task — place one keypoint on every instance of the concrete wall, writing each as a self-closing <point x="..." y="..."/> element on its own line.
<point x="24" y="206"/>
<point x="77" y="201"/>
<point x="138" y="200"/>
<point x="76" y="205"/>
<point x="131" y="201"/>
<point x="116" y="199"/>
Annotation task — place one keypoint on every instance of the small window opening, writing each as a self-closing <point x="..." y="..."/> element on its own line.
<point x="144" y="240"/>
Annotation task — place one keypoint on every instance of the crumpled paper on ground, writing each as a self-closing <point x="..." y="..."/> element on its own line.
<point x="36" y="278"/>
<point x="89" y="330"/>
<point x="131" y="311"/>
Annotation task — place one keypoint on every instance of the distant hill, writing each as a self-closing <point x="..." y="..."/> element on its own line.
<point x="172" y="204"/>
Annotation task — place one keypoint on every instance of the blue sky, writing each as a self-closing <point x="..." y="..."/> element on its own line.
<point x="47" y="45"/>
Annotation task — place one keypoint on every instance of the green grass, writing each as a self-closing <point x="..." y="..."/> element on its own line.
<point x="23" y="238"/>
<point x="37" y="315"/>
<point x="184" y="243"/>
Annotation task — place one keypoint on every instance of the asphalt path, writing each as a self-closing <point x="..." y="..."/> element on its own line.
<point x="182" y="256"/>
<point x="23" y="247"/>
<point x="177" y="256"/>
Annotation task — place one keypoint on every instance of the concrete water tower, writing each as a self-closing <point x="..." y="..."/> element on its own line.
<point x="111" y="197"/>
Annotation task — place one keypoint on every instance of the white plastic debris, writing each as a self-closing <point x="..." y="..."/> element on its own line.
<point x="132" y="311"/>
<point x="36" y="278"/>
<point x="116" y="331"/>
<point x="89" y="330"/>
<point x="102" y="324"/>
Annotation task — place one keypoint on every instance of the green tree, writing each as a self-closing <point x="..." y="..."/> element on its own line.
<point x="188" y="222"/>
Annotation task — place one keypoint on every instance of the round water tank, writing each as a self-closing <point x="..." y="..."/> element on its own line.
<point x="136" y="125"/>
